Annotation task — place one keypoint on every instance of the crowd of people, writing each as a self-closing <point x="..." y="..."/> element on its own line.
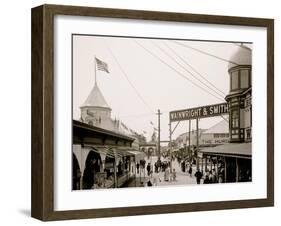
<point x="158" y="171"/>
<point x="210" y="177"/>
<point x="153" y="171"/>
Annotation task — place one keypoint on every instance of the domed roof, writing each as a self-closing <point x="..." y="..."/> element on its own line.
<point x="243" y="56"/>
<point x="95" y="99"/>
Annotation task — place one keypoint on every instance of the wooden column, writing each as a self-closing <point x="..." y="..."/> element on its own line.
<point x="115" y="174"/>
<point x="237" y="170"/>
<point x="81" y="181"/>
<point x="225" y="170"/>
<point x="217" y="168"/>
<point x="140" y="172"/>
<point x="135" y="172"/>
<point x="82" y="168"/>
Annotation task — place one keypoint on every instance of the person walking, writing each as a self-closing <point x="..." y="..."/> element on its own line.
<point x="190" y="171"/>
<point x="167" y="174"/>
<point x="221" y="175"/>
<point x="174" y="175"/>
<point x="207" y="179"/>
<point x="198" y="176"/>
<point x="155" y="167"/>
<point x="148" y="168"/>
<point x="149" y="184"/>
<point x="183" y="166"/>
<point x="156" y="179"/>
<point x="138" y="168"/>
<point x="214" y="178"/>
<point x="211" y="177"/>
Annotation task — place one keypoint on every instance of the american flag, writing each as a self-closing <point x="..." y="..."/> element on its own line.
<point x="102" y="66"/>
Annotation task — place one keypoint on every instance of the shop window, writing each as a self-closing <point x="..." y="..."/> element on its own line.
<point x="234" y="80"/>
<point x="234" y="119"/>
<point x="248" y="134"/>
<point x="244" y="79"/>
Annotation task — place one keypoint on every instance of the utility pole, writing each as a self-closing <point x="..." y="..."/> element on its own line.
<point x="189" y="139"/>
<point x="170" y="145"/>
<point x="197" y="143"/>
<point x="158" y="143"/>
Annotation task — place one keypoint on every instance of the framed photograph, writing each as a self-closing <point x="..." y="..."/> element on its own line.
<point x="141" y="112"/>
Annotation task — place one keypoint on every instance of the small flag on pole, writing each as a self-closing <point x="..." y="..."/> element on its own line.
<point x="102" y="66"/>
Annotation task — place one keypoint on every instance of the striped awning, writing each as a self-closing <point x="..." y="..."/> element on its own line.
<point x="113" y="152"/>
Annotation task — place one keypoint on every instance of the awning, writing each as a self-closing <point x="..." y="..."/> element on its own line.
<point x="231" y="149"/>
<point x="114" y="151"/>
<point x="103" y="150"/>
<point x="139" y="155"/>
<point x="122" y="152"/>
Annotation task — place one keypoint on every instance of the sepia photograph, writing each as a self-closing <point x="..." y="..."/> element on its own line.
<point x="150" y="112"/>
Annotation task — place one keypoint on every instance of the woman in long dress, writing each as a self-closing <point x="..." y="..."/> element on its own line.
<point x="167" y="174"/>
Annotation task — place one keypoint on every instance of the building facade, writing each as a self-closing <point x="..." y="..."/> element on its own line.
<point x="216" y="135"/>
<point x="149" y="148"/>
<point x="240" y="95"/>
<point x="233" y="162"/>
<point x="104" y="150"/>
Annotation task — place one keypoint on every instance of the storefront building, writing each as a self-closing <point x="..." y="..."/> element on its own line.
<point x="216" y="135"/>
<point x="105" y="150"/>
<point x="233" y="162"/>
<point x="101" y="158"/>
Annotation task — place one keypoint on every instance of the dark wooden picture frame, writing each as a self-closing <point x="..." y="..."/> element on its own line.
<point x="43" y="109"/>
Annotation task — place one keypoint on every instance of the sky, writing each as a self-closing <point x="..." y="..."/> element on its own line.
<point x="151" y="74"/>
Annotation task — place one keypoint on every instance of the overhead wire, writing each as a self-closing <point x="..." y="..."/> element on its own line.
<point x="224" y="118"/>
<point x="151" y="53"/>
<point x="198" y="73"/>
<point x="167" y="54"/>
<point x="205" y="53"/>
<point x="175" y="70"/>
<point x="127" y="77"/>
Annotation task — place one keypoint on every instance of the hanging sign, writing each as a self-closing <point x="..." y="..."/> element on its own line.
<point x="199" y="112"/>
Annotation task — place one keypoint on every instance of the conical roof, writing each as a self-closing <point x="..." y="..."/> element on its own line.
<point x="95" y="99"/>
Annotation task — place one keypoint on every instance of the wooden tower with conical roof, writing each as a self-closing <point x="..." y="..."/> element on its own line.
<point x="95" y="110"/>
